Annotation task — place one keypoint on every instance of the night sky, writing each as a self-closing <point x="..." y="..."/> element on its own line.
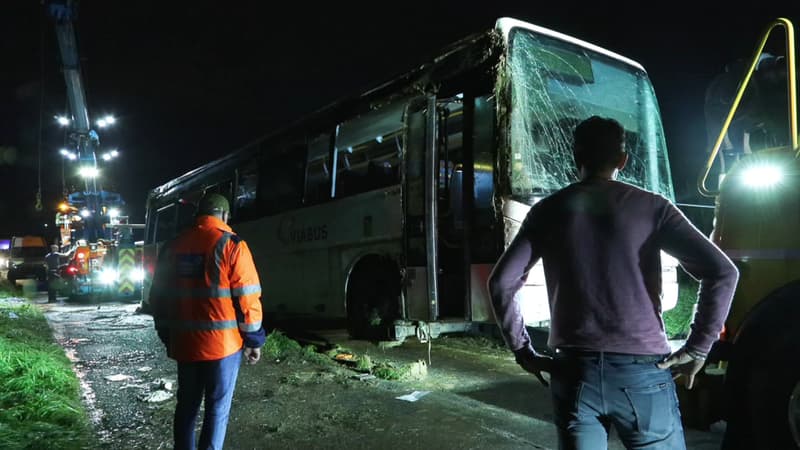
<point x="192" y="81"/>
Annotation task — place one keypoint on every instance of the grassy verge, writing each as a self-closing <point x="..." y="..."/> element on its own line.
<point x="7" y="290"/>
<point x="678" y="319"/>
<point x="40" y="404"/>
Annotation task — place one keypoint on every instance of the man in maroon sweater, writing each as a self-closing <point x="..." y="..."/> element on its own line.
<point x="600" y="242"/>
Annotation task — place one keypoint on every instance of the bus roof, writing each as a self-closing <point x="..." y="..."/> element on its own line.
<point x="465" y="54"/>
<point x="505" y="24"/>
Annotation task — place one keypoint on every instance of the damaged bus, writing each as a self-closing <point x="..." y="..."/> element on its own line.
<point x="388" y="209"/>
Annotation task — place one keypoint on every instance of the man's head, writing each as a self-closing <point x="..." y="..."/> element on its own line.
<point x="599" y="146"/>
<point x="214" y="205"/>
<point x="53" y="248"/>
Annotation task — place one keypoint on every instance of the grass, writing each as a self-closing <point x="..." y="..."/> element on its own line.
<point x="40" y="404"/>
<point x="678" y="319"/>
<point x="7" y="290"/>
<point x="279" y="346"/>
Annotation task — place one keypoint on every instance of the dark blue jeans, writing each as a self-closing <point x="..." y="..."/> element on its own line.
<point x="214" y="381"/>
<point x="594" y="390"/>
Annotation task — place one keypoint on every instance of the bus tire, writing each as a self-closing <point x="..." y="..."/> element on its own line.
<point x="373" y="292"/>
<point x="762" y="375"/>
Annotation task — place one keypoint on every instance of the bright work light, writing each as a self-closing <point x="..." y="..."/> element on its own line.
<point x="89" y="172"/>
<point x="108" y="276"/>
<point x="762" y="176"/>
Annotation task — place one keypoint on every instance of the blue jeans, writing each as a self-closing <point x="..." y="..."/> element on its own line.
<point x="594" y="390"/>
<point x="215" y="381"/>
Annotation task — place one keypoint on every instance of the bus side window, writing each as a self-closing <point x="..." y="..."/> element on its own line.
<point x="186" y="214"/>
<point x="318" y="181"/>
<point x="281" y="183"/>
<point x="245" y="205"/>
<point x="165" y="223"/>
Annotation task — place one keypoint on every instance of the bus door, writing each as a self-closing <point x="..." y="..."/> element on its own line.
<point x="439" y="170"/>
<point x="420" y="233"/>
<point x="447" y="192"/>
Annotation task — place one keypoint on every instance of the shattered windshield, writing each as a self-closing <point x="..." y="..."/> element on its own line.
<point x="555" y="85"/>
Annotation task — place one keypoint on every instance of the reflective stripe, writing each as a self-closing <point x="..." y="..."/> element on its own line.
<point x="250" y="327"/>
<point x="200" y="292"/>
<point x="763" y="253"/>
<point x="219" y="248"/>
<point x="246" y="290"/>
<point x="203" y="325"/>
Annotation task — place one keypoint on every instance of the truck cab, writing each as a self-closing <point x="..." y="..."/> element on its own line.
<point x="26" y="258"/>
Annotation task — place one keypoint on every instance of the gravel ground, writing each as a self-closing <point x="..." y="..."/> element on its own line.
<point x="476" y="397"/>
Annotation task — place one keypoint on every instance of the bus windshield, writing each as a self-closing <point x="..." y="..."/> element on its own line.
<point x="555" y="85"/>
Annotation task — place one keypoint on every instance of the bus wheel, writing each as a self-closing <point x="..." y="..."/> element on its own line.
<point x="373" y="292"/>
<point x="761" y="382"/>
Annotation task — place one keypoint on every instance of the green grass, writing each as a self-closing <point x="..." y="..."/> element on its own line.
<point x="7" y="290"/>
<point x="279" y="346"/>
<point x="40" y="404"/>
<point x="678" y="319"/>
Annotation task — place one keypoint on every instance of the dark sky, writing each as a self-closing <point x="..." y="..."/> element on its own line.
<point x="191" y="81"/>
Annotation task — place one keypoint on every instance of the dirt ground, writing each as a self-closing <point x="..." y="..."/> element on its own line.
<point x="473" y="396"/>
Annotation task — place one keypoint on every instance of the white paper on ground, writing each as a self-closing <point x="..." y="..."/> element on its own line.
<point x="414" y="396"/>
<point x="117" y="377"/>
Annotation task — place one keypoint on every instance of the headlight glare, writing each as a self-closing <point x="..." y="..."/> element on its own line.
<point x="762" y="176"/>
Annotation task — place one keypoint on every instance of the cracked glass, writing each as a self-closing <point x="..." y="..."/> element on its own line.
<point x="554" y="85"/>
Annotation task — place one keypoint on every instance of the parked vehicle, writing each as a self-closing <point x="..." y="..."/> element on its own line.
<point x="26" y="258"/>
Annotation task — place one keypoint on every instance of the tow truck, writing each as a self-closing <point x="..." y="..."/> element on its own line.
<point x="106" y="260"/>
<point x="752" y="376"/>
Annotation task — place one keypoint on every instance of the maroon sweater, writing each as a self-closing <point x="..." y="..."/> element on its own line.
<point x="600" y="242"/>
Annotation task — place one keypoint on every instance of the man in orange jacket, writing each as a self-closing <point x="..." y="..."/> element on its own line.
<point x="206" y="302"/>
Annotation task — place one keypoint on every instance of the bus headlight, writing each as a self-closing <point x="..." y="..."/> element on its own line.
<point x="761" y="176"/>
<point x="108" y="276"/>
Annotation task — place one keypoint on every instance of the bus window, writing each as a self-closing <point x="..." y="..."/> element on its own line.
<point x="165" y="223"/>
<point x="318" y="181"/>
<point x="281" y="182"/>
<point x="186" y="215"/>
<point x="369" y="151"/>
<point x="245" y="205"/>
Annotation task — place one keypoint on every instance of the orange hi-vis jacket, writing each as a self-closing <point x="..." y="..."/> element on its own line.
<point x="206" y="297"/>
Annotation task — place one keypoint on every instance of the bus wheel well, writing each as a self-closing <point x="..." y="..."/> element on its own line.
<point x="372" y="296"/>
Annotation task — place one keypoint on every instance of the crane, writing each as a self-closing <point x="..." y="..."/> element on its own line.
<point x="105" y="259"/>
<point x="86" y="210"/>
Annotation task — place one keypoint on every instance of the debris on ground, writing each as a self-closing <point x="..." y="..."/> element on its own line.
<point x="117" y="377"/>
<point x="157" y="396"/>
<point x="414" y="396"/>
<point x="163" y="384"/>
<point x="364" y="376"/>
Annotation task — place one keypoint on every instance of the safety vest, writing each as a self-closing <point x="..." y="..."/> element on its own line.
<point x="206" y="292"/>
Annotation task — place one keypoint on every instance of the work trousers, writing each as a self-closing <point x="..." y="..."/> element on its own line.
<point x="52" y="279"/>
<point x="214" y="382"/>
<point x="594" y="390"/>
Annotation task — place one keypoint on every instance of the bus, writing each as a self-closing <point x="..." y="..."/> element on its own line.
<point x="387" y="210"/>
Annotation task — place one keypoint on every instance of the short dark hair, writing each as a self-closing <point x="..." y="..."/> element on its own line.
<point x="598" y="143"/>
